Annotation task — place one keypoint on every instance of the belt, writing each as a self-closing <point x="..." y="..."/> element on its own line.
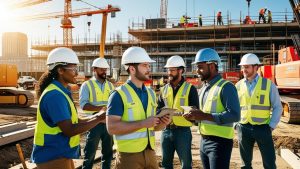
<point x="210" y="137"/>
<point x="173" y="126"/>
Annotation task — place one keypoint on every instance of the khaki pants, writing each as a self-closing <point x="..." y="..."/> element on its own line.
<point x="142" y="160"/>
<point x="62" y="163"/>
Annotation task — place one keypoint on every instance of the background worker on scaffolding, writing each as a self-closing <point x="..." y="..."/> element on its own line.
<point x="219" y="109"/>
<point x="177" y="136"/>
<point x="200" y="20"/>
<point x="219" y="18"/>
<point x="93" y="96"/>
<point x="262" y="12"/>
<point x="131" y="114"/>
<point x="58" y="129"/>
<point x="269" y="16"/>
<point x="182" y="20"/>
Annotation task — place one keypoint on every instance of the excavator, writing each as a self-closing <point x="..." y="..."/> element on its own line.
<point x="10" y="95"/>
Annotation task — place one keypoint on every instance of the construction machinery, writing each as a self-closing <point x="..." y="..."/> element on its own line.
<point x="10" y="95"/>
<point x="286" y="74"/>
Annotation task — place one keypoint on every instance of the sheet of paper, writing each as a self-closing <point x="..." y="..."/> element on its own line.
<point x="186" y="109"/>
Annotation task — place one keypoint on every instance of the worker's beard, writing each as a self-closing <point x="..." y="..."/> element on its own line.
<point x="102" y="76"/>
<point x="142" y="77"/>
<point x="173" y="78"/>
<point x="205" y="76"/>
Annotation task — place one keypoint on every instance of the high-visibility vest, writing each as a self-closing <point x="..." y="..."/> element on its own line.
<point x="43" y="129"/>
<point x="181" y="99"/>
<point x="255" y="109"/>
<point x="213" y="104"/>
<point x="182" y="20"/>
<point x="97" y="97"/>
<point x="262" y="11"/>
<point x="134" y="111"/>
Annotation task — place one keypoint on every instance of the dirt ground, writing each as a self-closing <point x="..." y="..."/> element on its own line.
<point x="285" y="135"/>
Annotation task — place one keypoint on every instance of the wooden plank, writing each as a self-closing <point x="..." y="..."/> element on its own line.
<point x="16" y="136"/>
<point x="292" y="159"/>
<point x="12" y="127"/>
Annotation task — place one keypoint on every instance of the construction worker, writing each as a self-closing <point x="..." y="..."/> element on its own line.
<point x="219" y="18"/>
<point x="93" y="96"/>
<point x="177" y="136"/>
<point x="200" y="20"/>
<point x="262" y="12"/>
<point x="131" y="114"/>
<point x="269" y="16"/>
<point x="260" y="113"/>
<point x="219" y="109"/>
<point x="56" y="138"/>
<point x="182" y="20"/>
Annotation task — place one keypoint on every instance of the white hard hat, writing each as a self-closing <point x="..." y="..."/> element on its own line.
<point x="101" y="63"/>
<point x="135" y="54"/>
<point x="175" y="61"/>
<point x="249" y="59"/>
<point x="61" y="56"/>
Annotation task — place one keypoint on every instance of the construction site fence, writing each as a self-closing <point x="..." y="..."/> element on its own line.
<point x="277" y="17"/>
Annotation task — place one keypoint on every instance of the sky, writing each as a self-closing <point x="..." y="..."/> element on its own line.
<point x="131" y="10"/>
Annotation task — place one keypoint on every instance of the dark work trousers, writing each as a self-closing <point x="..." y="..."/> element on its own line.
<point x="215" y="152"/>
<point x="179" y="140"/>
<point x="92" y="141"/>
<point x="261" y="134"/>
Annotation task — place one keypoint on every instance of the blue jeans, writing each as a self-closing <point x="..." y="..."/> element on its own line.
<point x="262" y="134"/>
<point x="215" y="152"/>
<point x="179" y="139"/>
<point x="92" y="142"/>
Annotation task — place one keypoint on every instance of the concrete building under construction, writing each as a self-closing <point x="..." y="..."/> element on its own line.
<point x="163" y="38"/>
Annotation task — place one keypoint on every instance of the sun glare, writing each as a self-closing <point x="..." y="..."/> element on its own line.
<point x="7" y="17"/>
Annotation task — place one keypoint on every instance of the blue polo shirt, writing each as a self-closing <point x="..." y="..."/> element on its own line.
<point x="54" y="108"/>
<point x="115" y="104"/>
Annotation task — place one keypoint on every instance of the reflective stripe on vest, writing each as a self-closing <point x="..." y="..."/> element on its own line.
<point x="134" y="111"/>
<point x="42" y="128"/>
<point x="213" y="104"/>
<point x="181" y="99"/>
<point x="255" y="109"/>
<point x="97" y="97"/>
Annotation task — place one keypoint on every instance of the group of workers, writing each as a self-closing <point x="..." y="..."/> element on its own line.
<point x="131" y="114"/>
<point x="247" y="20"/>
<point x="262" y="13"/>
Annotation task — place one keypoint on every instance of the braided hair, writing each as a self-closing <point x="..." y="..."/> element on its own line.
<point x="46" y="79"/>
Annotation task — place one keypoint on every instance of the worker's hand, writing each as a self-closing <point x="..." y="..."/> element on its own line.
<point x="103" y="109"/>
<point x="165" y="120"/>
<point x="150" y="122"/>
<point x="194" y="114"/>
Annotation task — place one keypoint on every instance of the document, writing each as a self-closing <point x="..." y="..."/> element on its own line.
<point x="186" y="109"/>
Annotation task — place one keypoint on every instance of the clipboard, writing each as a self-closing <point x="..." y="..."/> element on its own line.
<point x="165" y="111"/>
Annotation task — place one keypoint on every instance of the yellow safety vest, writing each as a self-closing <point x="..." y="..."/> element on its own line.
<point x="97" y="96"/>
<point x="255" y="109"/>
<point x="182" y="20"/>
<point x="42" y="128"/>
<point x="181" y="99"/>
<point x="213" y="104"/>
<point x="133" y="111"/>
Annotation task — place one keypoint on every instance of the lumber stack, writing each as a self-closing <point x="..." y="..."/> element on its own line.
<point x="15" y="132"/>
